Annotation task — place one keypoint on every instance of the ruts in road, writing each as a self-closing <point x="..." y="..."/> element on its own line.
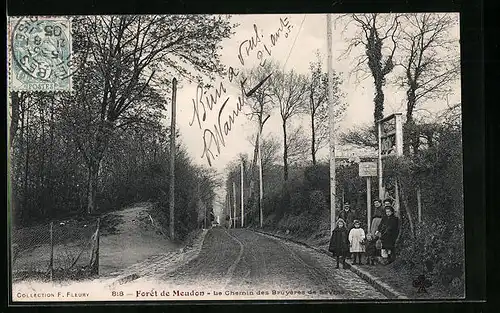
<point x="240" y="261"/>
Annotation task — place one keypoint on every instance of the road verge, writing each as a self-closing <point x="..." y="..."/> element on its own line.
<point x="162" y="264"/>
<point x="376" y="282"/>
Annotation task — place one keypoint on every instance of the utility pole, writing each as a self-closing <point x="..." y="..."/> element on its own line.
<point x="369" y="201"/>
<point x="234" y="204"/>
<point x="261" y="189"/>
<point x="228" y="207"/>
<point x="379" y="167"/>
<point x="172" y="160"/>
<point x="242" y="194"/>
<point x="331" y="116"/>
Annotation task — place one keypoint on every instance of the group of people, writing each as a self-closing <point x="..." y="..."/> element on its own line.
<point x="350" y="240"/>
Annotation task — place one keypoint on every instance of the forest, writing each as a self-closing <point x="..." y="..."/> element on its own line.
<point x="105" y="144"/>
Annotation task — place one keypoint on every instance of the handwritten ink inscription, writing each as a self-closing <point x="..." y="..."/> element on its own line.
<point x="220" y="131"/>
<point x="252" y="44"/>
<point x="205" y="102"/>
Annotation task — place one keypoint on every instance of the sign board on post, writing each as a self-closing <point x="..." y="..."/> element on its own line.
<point x="368" y="169"/>
<point x="390" y="142"/>
<point x="391" y="135"/>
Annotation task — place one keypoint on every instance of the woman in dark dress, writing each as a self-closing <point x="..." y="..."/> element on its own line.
<point x="389" y="230"/>
<point x="339" y="242"/>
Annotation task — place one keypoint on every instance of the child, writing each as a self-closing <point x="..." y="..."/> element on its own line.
<point x="371" y="249"/>
<point x="339" y="242"/>
<point x="356" y="239"/>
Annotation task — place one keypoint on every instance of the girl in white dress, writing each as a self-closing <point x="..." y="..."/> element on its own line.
<point x="356" y="241"/>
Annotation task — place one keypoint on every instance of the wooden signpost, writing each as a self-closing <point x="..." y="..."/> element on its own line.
<point x="368" y="170"/>
<point x="390" y="142"/>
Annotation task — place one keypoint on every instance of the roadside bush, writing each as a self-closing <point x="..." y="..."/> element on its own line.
<point x="269" y="221"/>
<point x="438" y="253"/>
<point x="317" y="176"/>
<point x="290" y="222"/>
<point x="317" y="202"/>
<point x="436" y="245"/>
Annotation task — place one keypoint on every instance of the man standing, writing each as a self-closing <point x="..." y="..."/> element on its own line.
<point x="377" y="208"/>
<point x="348" y="215"/>
<point x="387" y="203"/>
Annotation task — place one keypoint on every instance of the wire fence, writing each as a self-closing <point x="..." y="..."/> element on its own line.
<point x="56" y="251"/>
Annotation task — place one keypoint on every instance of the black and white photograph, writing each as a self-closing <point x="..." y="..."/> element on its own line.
<point x="215" y="157"/>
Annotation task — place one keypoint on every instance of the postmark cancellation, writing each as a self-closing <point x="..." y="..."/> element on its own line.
<point x="40" y="57"/>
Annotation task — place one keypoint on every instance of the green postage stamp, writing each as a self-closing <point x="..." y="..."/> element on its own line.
<point x="40" y="54"/>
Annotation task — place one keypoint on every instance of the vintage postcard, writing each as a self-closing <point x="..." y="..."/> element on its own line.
<point x="235" y="157"/>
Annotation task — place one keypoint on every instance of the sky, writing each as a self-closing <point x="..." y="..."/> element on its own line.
<point x="306" y="35"/>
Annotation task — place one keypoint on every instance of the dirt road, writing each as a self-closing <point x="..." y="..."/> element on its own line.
<point x="241" y="260"/>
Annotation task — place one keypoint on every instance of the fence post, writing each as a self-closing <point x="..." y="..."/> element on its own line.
<point x="51" y="265"/>
<point x="97" y="247"/>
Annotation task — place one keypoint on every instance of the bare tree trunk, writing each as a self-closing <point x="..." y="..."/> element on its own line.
<point x="93" y="179"/>
<point x="42" y="184"/>
<point x="91" y="188"/>
<point x="378" y="67"/>
<point x="94" y="165"/>
<point x="256" y="154"/>
<point x="50" y="185"/>
<point x="410" y="134"/>
<point x="313" y="139"/>
<point x="253" y="166"/>
<point x="379" y="100"/>
<point x="374" y="52"/>
<point x="26" y="166"/>
<point x="14" y="120"/>
<point x="408" y="211"/>
<point x="285" y="153"/>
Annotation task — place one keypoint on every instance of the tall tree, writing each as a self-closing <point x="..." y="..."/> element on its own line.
<point x="289" y="92"/>
<point x="297" y="145"/>
<point x="122" y="58"/>
<point x="430" y="59"/>
<point x="260" y="105"/>
<point x="270" y="150"/>
<point x="374" y="32"/>
<point x="17" y="100"/>
<point x="317" y="107"/>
